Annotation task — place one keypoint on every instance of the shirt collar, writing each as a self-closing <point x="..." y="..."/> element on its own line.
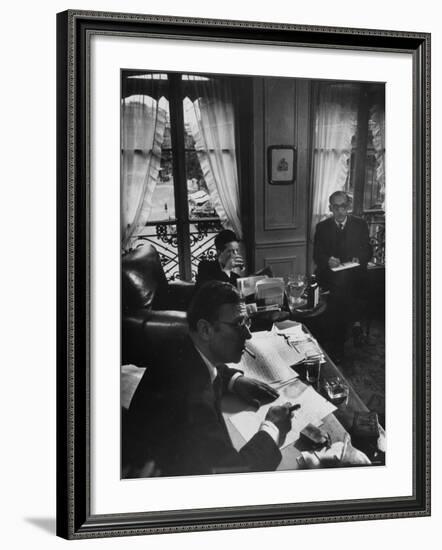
<point x="344" y="223"/>
<point x="227" y="271"/>
<point x="210" y="366"/>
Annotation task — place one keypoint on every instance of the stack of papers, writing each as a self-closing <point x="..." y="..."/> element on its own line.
<point x="305" y="345"/>
<point x="270" y="293"/>
<point x="247" y="285"/>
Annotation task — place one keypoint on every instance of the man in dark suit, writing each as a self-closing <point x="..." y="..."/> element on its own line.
<point x="176" y="407"/>
<point x="339" y="239"/>
<point x="228" y="263"/>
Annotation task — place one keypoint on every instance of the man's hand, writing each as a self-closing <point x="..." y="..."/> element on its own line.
<point x="238" y="265"/>
<point x="333" y="262"/>
<point x="235" y="262"/>
<point x="253" y="391"/>
<point x="231" y="260"/>
<point x="238" y="261"/>
<point x="281" y="416"/>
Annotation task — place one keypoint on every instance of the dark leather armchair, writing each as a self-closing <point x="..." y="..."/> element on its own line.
<point x="153" y="309"/>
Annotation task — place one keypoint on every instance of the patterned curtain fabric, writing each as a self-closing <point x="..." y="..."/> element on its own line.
<point x="212" y="124"/>
<point x="376" y="124"/>
<point x="335" y="125"/>
<point x="142" y="134"/>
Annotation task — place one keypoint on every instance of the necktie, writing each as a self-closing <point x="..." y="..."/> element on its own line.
<point x="340" y="242"/>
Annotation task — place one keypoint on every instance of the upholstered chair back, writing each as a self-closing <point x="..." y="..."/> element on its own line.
<point x="143" y="283"/>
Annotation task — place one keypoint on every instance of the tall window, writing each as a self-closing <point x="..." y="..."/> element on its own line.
<point x="349" y="153"/>
<point x="187" y="185"/>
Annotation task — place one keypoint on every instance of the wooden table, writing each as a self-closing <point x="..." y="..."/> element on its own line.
<point x="336" y="424"/>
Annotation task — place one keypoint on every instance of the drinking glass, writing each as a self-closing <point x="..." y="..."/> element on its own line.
<point x="296" y="284"/>
<point x="312" y="370"/>
<point x="337" y="390"/>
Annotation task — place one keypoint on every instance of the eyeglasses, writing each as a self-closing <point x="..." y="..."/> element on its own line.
<point x="340" y="206"/>
<point x="246" y="323"/>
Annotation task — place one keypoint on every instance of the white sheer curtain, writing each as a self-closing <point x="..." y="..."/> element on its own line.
<point x="376" y="124"/>
<point x="335" y="125"/>
<point x="142" y="134"/>
<point x="212" y="124"/>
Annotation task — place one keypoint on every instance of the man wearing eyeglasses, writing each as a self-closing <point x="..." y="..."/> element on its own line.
<point x="184" y="429"/>
<point x="338" y="239"/>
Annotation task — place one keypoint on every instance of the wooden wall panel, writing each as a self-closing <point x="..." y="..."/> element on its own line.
<point x="281" y="117"/>
<point x="279" y="129"/>
<point x="283" y="259"/>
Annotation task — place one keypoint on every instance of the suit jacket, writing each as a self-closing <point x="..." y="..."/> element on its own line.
<point x="355" y="244"/>
<point x="180" y="426"/>
<point x="210" y="270"/>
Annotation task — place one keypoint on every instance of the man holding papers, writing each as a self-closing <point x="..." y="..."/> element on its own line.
<point x="341" y="253"/>
<point x="177" y="406"/>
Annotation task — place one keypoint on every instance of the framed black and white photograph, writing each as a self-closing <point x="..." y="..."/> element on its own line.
<point x="281" y="164"/>
<point x="243" y="232"/>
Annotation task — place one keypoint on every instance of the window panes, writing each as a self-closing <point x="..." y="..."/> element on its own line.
<point x="204" y="220"/>
<point x="163" y="197"/>
<point x="182" y="232"/>
<point x="200" y="199"/>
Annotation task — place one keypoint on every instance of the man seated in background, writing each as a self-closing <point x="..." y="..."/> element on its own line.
<point x="338" y="239"/>
<point x="176" y="407"/>
<point x="228" y="263"/>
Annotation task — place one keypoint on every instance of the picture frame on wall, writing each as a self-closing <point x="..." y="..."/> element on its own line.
<point x="281" y="164"/>
<point x="105" y="64"/>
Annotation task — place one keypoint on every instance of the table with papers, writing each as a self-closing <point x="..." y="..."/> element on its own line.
<point x="283" y="349"/>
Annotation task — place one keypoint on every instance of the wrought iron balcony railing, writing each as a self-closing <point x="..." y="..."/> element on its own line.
<point x="163" y="236"/>
<point x="376" y="227"/>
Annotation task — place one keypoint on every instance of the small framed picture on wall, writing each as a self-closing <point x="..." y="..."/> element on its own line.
<point x="281" y="160"/>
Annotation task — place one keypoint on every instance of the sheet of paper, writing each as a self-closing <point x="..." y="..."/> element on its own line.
<point x="345" y="265"/>
<point x="313" y="409"/>
<point x="295" y="332"/>
<point x="310" y="348"/>
<point x="130" y="378"/>
<point x="273" y="358"/>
